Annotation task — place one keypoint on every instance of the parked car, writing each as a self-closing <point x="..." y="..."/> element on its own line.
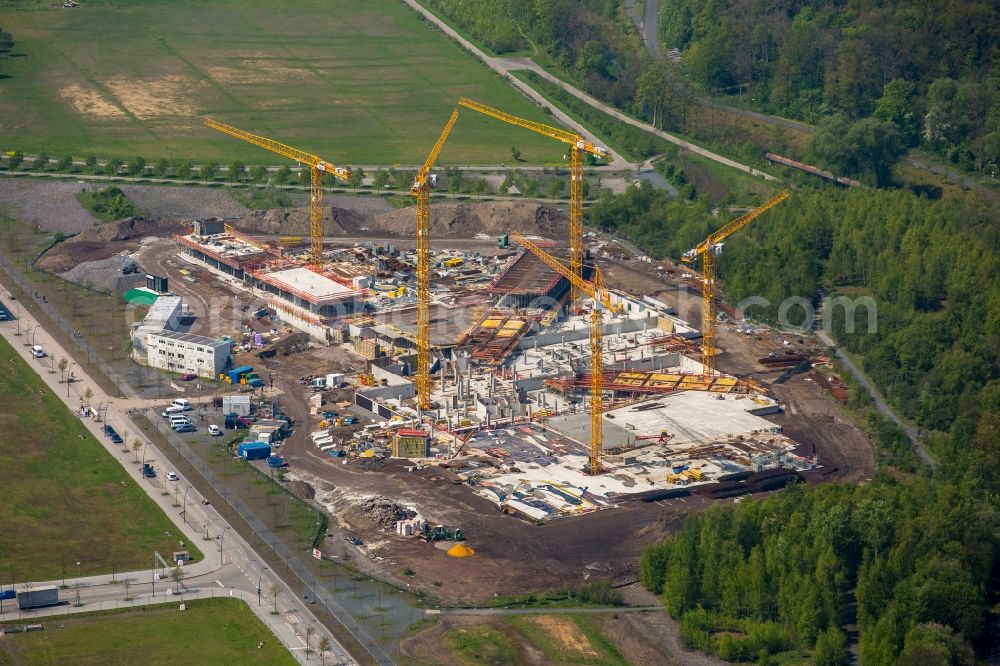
<point x="172" y="476"/>
<point x="354" y="541"/>
<point x="37" y="351"/>
<point x="185" y="427"/>
<point x="214" y="430"/>
<point x="148" y="471"/>
<point x="172" y="409"/>
<point x="112" y="434"/>
<point x="187" y="376"/>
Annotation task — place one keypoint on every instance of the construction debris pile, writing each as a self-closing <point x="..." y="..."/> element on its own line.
<point x="385" y="513"/>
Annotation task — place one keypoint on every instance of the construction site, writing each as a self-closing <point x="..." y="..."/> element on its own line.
<point x="488" y="383"/>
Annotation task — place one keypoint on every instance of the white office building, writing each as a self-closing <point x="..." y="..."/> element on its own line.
<point x="187" y="353"/>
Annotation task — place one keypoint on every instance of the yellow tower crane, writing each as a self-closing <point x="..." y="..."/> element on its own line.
<point x="577" y="145"/>
<point x="708" y="250"/>
<point x="317" y="167"/>
<point x="421" y="190"/>
<point x="601" y="300"/>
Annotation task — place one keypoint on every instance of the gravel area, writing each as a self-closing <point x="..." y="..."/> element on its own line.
<point x="52" y="205"/>
<point x="101" y="275"/>
<point x="183" y="203"/>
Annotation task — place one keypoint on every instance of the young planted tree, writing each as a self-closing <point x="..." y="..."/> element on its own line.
<point x="136" y="446"/>
<point x="88" y="395"/>
<point x="381" y="178"/>
<point x="63" y="364"/>
<point x="258" y="173"/>
<point x="323" y="647"/>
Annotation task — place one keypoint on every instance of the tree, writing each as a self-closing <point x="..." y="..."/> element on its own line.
<point x="41" y="162"/>
<point x="281" y="175"/>
<point x="831" y="649"/>
<point x="207" y="171"/>
<point x="323" y="647"/>
<point x="136" y="447"/>
<point x="896" y="107"/>
<point x="274" y="591"/>
<point x="479" y="186"/>
<point x="88" y="395"/>
<point x="183" y="171"/>
<point x="868" y="148"/>
<point x="6" y="40"/>
<point x="177" y="575"/>
<point x="237" y="171"/>
<point x="14" y="161"/>
<point x="162" y="168"/>
<point x="555" y="187"/>
<point x="113" y="166"/>
<point x="63" y="364"/>
<point x="357" y="177"/>
<point x="258" y="173"/>
<point x="91" y="162"/>
<point x="136" y="166"/>
<point x="381" y="178"/>
<point x="515" y="154"/>
<point x="65" y="163"/>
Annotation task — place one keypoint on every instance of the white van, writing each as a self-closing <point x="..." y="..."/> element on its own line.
<point x="37" y="351"/>
<point x="171" y="410"/>
<point x="182" y="403"/>
<point x="178" y="418"/>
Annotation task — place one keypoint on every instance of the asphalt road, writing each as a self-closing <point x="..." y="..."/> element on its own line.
<point x="230" y="563"/>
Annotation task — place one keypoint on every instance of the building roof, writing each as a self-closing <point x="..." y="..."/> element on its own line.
<point x="309" y="285"/>
<point x="412" y="433"/>
<point x="191" y="338"/>
<point x="160" y="312"/>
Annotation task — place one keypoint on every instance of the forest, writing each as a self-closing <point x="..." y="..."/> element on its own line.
<point x="926" y="68"/>
<point x="784" y="573"/>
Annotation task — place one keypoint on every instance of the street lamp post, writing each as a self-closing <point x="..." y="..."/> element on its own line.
<point x="222" y="538"/>
<point x="184" y="512"/>
<point x="259" y="576"/>
<point x="69" y="376"/>
<point x="78" y="582"/>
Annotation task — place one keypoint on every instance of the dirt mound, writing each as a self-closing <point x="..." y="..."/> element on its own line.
<point x="455" y="220"/>
<point x="448" y="220"/>
<point x="301" y="489"/>
<point x="384" y="512"/>
<point x="103" y="241"/>
<point x="295" y="221"/>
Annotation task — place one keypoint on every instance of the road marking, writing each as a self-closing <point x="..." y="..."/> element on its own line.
<point x="432" y="611"/>
<point x="219" y="583"/>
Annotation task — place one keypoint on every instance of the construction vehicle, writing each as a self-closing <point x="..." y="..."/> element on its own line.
<point x="317" y="167"/>
<point x="708" y="250"/>
<point x="421" y="191"/>
<point x="578" y="145"/>
<point x="601" y="301"/>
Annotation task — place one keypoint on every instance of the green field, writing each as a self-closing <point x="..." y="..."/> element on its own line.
<point x="210" y="631"/>
<point x="66" y="499"/>
<point x="357" y="82"/>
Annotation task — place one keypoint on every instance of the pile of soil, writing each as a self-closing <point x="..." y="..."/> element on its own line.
<point x="448" y="220"/>
<point x="102" y="242"/>
<point x="384" y="512"/>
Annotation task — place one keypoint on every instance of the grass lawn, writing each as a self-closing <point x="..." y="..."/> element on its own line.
<point x="66" y="499"/>
<point x="480" y="644"/>
<point x="357" y="82"/>
<point x="210" y="631"/>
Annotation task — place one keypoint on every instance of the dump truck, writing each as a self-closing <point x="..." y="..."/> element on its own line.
<point x="38" y="597"/>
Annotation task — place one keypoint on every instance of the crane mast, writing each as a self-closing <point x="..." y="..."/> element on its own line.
<point x="708" y="250"/>
<point x="317" y="167"/>
<point x="601" y="299"/>
<point x="578" y="145"/>
<point x="421" y="191"/>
